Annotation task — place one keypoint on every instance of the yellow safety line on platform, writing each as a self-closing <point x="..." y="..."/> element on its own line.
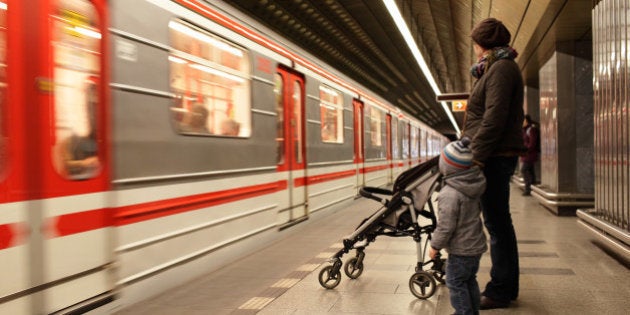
<point x="256" y="303"/>
<point x="285" y="283"/>
<point x="308" y="267"/>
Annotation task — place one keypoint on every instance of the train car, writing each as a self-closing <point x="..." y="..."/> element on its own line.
<point x="145" y="143"/>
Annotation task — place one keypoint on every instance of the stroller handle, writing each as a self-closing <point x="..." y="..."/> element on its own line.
<point x="368" y="192"/>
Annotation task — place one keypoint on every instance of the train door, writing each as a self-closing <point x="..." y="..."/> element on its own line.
<point x="291" y="147"/>
<point x="359" y="153"/>
<point x="67" y="171"/>
<point x="14" y="216"/>
<point x="390" y="165"/>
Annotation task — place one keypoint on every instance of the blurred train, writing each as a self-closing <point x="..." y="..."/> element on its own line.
<point x="147" y="142"/>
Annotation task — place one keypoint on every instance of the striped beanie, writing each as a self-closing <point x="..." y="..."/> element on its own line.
<point x="456" y="156"/>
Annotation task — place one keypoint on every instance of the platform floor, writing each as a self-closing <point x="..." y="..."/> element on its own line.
<point x="562" y="272"/>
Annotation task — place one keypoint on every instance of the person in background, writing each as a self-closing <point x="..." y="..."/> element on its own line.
<point x="529" y="159"/>
<point x="197" y="120"/>
<point x="229" y="127"/>
<point x="493" y="122"/>
<point x="79" y="153"/>
<point x="459" y="229"/>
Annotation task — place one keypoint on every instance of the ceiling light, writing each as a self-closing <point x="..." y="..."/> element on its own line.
<point x="392" y="8"/>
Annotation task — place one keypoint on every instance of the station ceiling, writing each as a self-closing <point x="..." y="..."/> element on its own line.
<point x="360" y="38"/>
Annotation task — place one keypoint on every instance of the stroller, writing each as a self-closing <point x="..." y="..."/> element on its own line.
<point x="398" y="217"/>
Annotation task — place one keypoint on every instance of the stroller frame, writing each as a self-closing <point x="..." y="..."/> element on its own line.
<point x="398" y="217"/>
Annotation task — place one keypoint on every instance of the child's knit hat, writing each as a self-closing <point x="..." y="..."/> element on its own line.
<point x="456" y="157"/>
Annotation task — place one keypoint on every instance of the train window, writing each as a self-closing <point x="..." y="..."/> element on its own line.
<point x="210" y="78"/>
<point x="423" y="144"/>
<point x="405" y="141"/>
<point x="395" y="146"/>
<point x="331" y="110"/>
<point x="76" y="49"/>
<point x="279" y="92"/>
<point x="414" y="142"/>
<point x="375" y="126"/>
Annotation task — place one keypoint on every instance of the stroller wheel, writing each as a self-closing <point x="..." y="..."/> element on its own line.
<point x="422" y="285"/>
<point x="353" y="268"/>
<point x="328" y="278"/>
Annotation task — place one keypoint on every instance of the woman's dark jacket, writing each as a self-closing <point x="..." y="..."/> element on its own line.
<point x="494" y="114"/>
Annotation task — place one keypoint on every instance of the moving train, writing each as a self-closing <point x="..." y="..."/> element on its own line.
<point x="147" y="142"/>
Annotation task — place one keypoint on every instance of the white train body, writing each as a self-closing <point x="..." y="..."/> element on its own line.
<point x="155" y="202"/>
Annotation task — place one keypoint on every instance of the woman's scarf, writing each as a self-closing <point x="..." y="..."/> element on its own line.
<point x="505" y="52"/>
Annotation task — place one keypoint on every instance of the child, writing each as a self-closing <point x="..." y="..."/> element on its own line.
<point x="460" y="230"/>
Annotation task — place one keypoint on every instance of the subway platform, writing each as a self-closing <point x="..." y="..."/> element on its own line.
<point x="562" y="272"/>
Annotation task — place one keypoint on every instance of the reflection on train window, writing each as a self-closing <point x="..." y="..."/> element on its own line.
<point x="424" y="148"/>
<point x="278" y="91"/>
<point x="414" y="142"/>
<point x="210" y="78"/>
<point x="331" y="110"/>
<point x="405" y="141"/>
<point x="395" y="146"/>
<point x="76" y="43"/>
<point x="434" y="145"/>
<point x="375" y="126"/>
<point x="3" y="87"/>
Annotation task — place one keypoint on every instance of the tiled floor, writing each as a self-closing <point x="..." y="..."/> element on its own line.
<point x="562" y="272"/>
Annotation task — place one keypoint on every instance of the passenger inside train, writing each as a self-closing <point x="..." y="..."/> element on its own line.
<point x="229" y="127"/>
<point x="196" y="120"/>
<point x="79" y="151"/>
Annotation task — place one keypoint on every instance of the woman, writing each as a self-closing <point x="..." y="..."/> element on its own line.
<point x="493" y="122"/>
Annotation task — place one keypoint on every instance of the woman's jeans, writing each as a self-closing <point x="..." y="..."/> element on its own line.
<point x="495" y="201"/>
<point x="461" y="279"/>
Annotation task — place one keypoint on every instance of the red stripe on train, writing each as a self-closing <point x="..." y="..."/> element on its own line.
<point x="80" y="222"/>
<point x="373" y="168"/>
<point x="300" y="181"/>
<point x="6" y="235"/>
<point x="156" y="209"/>
<point x="328" y="177"/>
<point x="12" y="234"/>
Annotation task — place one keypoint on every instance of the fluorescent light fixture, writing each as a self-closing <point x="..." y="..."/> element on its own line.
<point x="411" y="43"/>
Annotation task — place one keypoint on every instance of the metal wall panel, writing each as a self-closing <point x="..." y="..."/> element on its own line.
<point x="566" y="129"/>
<point x="611" y="23"/>
<point x="549" y="124"/>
